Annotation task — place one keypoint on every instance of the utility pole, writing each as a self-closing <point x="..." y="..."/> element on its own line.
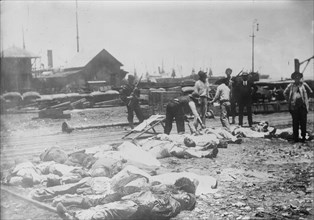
<point x="23" y="38"/>
<point x="253" y="27"/>
<point x="77" y="31"/>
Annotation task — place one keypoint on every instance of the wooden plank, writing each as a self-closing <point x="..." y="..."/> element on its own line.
<point x="149" y="127"/>
<point x="122" y="124"/>
<point x="62" y="105"/>
<point x="112" y="102"/>
<point x="78" y="101"/>
<point x="78" y="104"/>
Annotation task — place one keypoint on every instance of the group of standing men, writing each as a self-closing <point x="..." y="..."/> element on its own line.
<point x="195" y="103"/>
<point x="229" y="92"/>
<point x="233" y="90"/>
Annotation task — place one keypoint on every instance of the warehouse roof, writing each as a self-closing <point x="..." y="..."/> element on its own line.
<point x="16" y="52"/>
<point x="82" y="58"/>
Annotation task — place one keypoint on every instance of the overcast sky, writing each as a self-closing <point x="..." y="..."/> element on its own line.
<point x="181" y="34"/>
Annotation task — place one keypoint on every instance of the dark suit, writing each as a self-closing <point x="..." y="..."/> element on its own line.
<point x="177" y="109"/>
<point x="245" y="100"/>
<point x="233" y="99"/>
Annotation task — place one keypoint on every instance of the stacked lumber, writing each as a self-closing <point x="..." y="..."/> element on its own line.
<point x="55" y="111"/>
<point x="108" y="103"/>
<point x="79" y="104"/>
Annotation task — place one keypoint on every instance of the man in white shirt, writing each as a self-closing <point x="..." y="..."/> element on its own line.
<point x="201" y="87"/>
<point x="223" y="95"/>
<point x="232" y="96"/>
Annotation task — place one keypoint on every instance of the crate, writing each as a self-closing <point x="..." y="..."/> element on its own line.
<point x="159" y="99"/>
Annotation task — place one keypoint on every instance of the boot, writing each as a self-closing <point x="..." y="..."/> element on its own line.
<point x="212" y="154"/>
<point x="303" y="140"/>
<point x="131" y="125"/>
<point x="222" y="144"/>
<point x="273" y="132"/>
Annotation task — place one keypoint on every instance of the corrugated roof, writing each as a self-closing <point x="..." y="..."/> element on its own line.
<point x="16" y="52"/>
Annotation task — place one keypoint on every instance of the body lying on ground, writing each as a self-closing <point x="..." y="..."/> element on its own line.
<point x="130" y="194"/>
<point x="153" y="202"/>
<point x="263" y="130"/>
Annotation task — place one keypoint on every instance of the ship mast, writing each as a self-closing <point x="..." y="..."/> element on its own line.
<point x="23" y="38"/>
<point x="253" y="35"/>
<point x="77" y="30"/>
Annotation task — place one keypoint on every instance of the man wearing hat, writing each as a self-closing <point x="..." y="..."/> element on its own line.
<point x="130" y="94"/>
<point x="230" y="82"/>
<point x="178" y="108"/>
<point x="245" y="98"/>
<point x="201" y="87"/>
<point x="297" y="97"/>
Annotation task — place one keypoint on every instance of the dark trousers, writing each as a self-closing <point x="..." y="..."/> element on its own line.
<point x="299" y="118"/>
<point x="134" y="107"/>
<point x="174" y="111"/>
<point x="248" y="110"/>
<point x="203" y="108"/>
<point x="233" y="110"/>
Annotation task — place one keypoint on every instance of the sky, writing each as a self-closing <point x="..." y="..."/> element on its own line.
<point x="178" y="34"/>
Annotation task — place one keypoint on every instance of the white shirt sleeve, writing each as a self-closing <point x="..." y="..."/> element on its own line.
<point x="218" y="92"/>
<point x="193" y="109"/>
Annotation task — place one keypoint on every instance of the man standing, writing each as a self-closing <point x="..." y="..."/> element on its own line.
<point x="223" y="95"/>
<point x="298" y="101"/>
<point x="130" y="94"/>
<point x="178" y="108"/>
<point x="245" y="98"/>
<point x="201" y="87"/>
<point x="232" y="95"/>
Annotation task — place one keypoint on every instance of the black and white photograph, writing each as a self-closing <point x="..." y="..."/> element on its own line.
<point x="157" y="110"/>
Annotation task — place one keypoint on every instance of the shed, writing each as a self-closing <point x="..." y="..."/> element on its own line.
<point x="16" y="69"/>
<point x="85" y="67"/>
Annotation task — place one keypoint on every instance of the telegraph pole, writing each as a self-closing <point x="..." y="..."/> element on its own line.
<point x="253" y="27"/>
<point x="23" y="38"/>
<point x="77" y="31"/>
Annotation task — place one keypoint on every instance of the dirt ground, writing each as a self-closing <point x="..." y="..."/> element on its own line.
<point x="258" y="179"/>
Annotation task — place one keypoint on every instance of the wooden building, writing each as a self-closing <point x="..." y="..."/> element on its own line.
<point x="85" y="67"/>
<point x="16" y="69"/>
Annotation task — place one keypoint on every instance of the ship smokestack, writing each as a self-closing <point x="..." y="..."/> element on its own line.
<point x="50" y="61"/>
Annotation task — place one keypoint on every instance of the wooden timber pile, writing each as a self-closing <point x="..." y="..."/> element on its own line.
<point x="55" y="111"/>
<point x="53" y="106"/>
